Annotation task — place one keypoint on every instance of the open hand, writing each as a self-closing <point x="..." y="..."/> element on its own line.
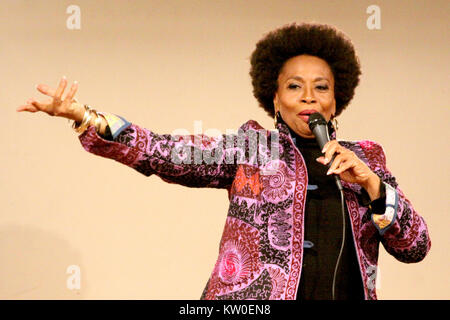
<point x="56" y="105"/>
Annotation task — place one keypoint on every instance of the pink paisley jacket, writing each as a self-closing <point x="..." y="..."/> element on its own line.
<point x="261" y="249"/>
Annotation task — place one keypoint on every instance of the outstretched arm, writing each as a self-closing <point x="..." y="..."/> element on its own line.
<point x="195" y="161"/>
<point x="191" y="160"/>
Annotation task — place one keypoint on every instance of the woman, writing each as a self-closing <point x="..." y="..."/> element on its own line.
<point x="284" y="236"/>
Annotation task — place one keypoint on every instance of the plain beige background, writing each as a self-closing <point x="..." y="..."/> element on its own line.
<point x="163" y="65"/>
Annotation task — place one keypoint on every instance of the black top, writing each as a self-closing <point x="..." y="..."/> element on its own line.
<point x="323" y="235"/>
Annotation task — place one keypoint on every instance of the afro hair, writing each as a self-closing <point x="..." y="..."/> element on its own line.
<point x="320" y="40"/>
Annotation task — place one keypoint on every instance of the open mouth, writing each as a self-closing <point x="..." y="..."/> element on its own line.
<point x="304" y="115"/>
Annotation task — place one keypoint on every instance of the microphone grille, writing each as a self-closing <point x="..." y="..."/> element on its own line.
<point x="315" y="119"/>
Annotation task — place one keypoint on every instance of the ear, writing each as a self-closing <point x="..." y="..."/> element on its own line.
<point x="275" y="103"/>
<point x="334" y="108"/>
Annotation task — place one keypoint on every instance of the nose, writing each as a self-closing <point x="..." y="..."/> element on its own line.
<point x="308" y="95"/>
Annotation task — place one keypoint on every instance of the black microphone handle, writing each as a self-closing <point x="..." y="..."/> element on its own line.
<point x="336" y="177"/>
<point x="322" y="136"/>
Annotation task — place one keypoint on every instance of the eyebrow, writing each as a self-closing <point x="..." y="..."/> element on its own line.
<point x="300" y="78"/>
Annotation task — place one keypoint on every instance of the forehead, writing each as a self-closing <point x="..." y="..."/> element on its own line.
<point x="306" y="66"/>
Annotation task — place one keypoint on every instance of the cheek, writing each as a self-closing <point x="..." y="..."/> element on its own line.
<point x="289" y="99"/>
<point x="327" y="101"/>
<point x="328" y="104"/>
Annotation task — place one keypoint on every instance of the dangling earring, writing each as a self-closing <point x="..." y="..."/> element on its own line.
<point x="275" y="118"/>
<point x="335" y="123"/>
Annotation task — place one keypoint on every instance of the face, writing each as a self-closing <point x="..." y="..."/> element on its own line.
<point x="305" y="86"/>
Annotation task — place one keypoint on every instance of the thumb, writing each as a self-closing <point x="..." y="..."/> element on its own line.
<point x="321" y="159"/>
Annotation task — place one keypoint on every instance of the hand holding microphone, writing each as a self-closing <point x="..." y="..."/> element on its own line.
<point x="318" y="127"/>
<point x="343" y="163"/>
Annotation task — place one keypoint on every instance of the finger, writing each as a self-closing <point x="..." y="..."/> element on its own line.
<point x="61" y="88"/>
<point x="331" y="149"/>
<point x="45" y="89"/>
<point x="321" y="159"/>
<point x="325" y="147"/>
<point x="27" y="107"/>
<point x="39" y="106"/>
<point x="336" y="163"/>
<point x="344" y="167"/>
<point x="73" y="90"/>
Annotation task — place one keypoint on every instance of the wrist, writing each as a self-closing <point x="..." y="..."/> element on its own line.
<point x="372" y="186"/>
<point x="77" y="112"/>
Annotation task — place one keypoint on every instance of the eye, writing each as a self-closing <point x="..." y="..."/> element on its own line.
<point x="322" y="87"/>
<point x="293" y="86"/>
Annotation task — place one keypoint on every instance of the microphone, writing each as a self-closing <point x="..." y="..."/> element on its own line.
<point x="319" y="128"/>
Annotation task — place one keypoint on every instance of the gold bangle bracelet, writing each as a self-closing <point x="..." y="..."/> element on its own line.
<point x="88" y="114"/>
<point x="98" y="122"/>
<point x="85" y="122"/>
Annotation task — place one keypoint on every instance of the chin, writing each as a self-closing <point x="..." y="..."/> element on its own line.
<point x="303" y="129"/>
<point x="309" y="135"/>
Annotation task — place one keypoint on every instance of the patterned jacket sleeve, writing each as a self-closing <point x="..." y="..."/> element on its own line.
<point x="189" y="160"/>
<point x="404" y="233"/>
